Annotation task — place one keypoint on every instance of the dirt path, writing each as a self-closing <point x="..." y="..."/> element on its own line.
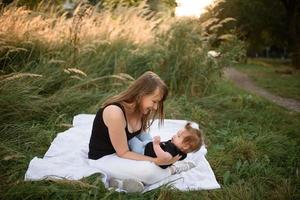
<point x="242" y="80"/>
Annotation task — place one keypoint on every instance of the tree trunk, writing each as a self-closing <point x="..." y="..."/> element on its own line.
<point x="294" y="40"/>
<point x="296" y="55"/>
<point x="292" y="10"/>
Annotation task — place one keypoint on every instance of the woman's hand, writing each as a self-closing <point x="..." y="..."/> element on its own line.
<point x="164" y="161"/>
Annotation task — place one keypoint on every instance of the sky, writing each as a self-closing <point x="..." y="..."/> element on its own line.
<point x="191" y="8"/>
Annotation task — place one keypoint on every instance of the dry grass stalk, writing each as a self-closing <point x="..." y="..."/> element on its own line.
<point x="75" y="70"/>
<point x="14" y="76"/>
<point x="123" y="23"/>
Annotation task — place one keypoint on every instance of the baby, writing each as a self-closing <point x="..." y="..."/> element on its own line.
<point x="186" y="140"/>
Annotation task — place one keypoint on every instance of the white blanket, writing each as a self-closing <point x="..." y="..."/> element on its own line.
<point x="67" y="158"/>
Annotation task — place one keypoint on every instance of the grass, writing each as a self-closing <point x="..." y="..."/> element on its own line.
<point x="265" y="71"/>
<point x="252" y="148"/>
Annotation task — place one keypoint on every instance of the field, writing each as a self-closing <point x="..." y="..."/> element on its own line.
<point x="52" y="70"/>
<point x="265" y="71"/>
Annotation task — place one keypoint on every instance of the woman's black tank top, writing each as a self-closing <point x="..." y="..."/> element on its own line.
<point x="100" y="144"/>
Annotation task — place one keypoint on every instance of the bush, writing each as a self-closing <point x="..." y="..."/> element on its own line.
<point x="185" y="62"/>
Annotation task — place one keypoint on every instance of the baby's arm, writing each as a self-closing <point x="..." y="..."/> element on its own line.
<point x="158" y="150"/>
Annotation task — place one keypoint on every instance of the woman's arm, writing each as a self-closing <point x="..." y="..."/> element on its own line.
<point x="114" y="119"/>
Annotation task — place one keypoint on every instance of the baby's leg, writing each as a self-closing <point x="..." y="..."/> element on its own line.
<point x="181" y="166"/>
<point x="136" y="145"/>
<point x="145" y="137"/>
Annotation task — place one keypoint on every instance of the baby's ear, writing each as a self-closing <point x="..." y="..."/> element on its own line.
<point x="186" y="147"/>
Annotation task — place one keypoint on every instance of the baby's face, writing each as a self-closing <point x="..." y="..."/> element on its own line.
<point x="177" y="139"/>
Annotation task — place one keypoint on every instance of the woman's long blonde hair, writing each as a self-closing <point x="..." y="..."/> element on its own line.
<point x="146" y="84"/>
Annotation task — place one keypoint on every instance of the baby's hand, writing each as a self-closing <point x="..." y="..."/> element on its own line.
<point x="156" y="140"/>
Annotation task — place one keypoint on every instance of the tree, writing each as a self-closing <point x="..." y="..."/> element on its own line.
<point x="265" y="23"/>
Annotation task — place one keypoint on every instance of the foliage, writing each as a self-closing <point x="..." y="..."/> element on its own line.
<point x="260" y="27"/>
<point x="220" y="32"/>
<point x="186" y="66"/>
<point x="176" y="51"/>
<point x="31" y="4"/>
<point x="154" y="5"/>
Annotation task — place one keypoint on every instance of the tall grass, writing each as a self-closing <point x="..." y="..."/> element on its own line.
<point x="135" y="24"/>
<point x="28" y="35"/>
<point x="125" y="40"/>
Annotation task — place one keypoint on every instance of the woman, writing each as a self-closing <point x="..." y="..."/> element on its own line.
<point x="121" y="118"/>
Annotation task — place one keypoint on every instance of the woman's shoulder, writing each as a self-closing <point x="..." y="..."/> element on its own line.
<point x="114" y="117"/>
<point x="113" y="110"/>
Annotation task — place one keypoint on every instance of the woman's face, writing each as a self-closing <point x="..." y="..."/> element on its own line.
<point x="150" y="102"/>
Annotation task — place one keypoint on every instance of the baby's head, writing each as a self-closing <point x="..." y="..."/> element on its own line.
<point x="188" y="139"/>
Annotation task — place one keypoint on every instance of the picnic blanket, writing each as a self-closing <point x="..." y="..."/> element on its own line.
<point x="67" y="158"/>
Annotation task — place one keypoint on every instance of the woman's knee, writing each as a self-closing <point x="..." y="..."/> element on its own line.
<point x="153" y="174"/>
